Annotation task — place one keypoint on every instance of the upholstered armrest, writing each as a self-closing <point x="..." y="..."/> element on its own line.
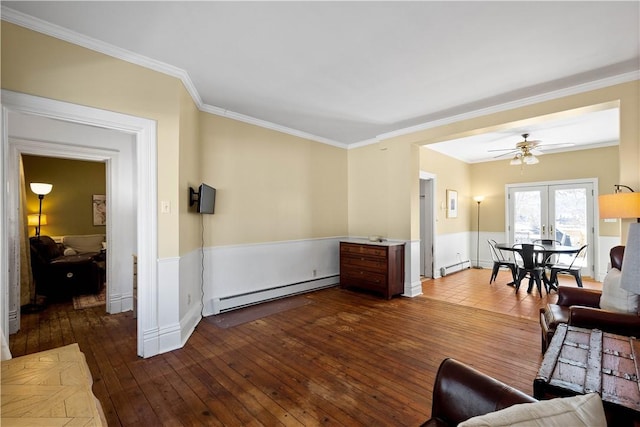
<point x="569" y="295"/>
<point x="461" y="392"/>
<point x="627" y="324"/>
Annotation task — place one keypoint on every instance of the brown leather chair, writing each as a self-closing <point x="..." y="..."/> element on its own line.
<point x="461" y="392"/>
<point x="581" y="307"/>
<point x="58" y="276"/>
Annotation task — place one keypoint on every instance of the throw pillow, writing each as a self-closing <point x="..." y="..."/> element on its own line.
<point x="615" y="298"/>
<point x="581" y="410"/>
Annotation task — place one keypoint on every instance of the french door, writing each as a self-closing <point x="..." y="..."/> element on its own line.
<point x="560" y="212"/>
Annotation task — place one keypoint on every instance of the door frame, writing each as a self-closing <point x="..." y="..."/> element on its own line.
<point x="593" y="243"/>
<point x="427" y="222"/>
<point x="144" y="133"/>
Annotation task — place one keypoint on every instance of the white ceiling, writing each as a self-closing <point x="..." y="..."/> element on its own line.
<point x="348" y="73"/>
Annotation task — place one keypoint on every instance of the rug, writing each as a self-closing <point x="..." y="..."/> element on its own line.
<point x="87" y="301"/>
<point x="255" y="312"/>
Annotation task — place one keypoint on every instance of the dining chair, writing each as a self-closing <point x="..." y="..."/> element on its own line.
<point x="573" y="268"/>
<point x="499" y="260"/>
<point x="530" y="261"/>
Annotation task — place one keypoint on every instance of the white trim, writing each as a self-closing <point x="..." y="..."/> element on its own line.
<point x="144" y="131"/>
<point x="512" y="105"/>
<point x="65" y="34"/>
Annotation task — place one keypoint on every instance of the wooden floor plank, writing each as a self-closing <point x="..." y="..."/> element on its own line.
<point x="341" y="358"/>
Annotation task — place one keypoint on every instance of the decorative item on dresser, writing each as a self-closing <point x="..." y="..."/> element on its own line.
<point x="372" y="266"/>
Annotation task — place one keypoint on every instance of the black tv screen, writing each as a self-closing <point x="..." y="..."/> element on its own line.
<point x="206" y="199"/>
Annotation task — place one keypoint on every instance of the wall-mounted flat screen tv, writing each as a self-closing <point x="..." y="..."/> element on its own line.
<point x="204" y="199"/>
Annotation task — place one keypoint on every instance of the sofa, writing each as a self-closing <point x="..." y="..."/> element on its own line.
<point x="61" y="272"/>
<point x="586" y="308"/>
<point x="466" y="397"/>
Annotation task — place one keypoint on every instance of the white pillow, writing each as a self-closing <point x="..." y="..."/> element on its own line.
<point x="70" y="251"/>
<point x="581" y="410"/>
<point x="615" y="298"/>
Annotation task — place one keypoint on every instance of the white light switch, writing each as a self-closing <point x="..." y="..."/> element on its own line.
<point x="165" y="206"/>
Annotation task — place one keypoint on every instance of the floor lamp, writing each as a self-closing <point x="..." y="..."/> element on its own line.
<point x="41" y="189"/>
<point x="478" y="200"/>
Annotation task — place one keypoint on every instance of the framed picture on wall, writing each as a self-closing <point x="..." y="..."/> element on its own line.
<point x="452" y="204"/>
<point x="99" y="209"/>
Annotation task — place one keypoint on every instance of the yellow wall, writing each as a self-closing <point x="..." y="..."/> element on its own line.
<point x="69" y="205"/>
<point x="190" y="171"/>
<point x="40" y="65"/>
<point x="451" y="174"/>
<point x="270" y="186"/>
<point x="489" y="179"/>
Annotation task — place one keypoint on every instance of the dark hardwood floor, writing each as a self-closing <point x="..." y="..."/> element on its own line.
<point x="338" y="357"/>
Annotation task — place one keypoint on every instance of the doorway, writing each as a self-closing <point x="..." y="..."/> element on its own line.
<point x="427" y="224"/>
<point x="560" y="211"/>
<point x="141" y="227"/>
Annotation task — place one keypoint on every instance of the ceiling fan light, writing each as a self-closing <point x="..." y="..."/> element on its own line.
<point x="516" y="161"/>
<point x="530" y="159"/>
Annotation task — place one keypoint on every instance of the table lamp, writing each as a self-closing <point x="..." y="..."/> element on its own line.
<point x="626" y="205"/>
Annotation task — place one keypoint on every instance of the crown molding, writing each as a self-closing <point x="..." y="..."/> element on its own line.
<point x="269" y="125"/>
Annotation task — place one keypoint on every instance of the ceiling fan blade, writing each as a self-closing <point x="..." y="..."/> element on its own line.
<point x="506" y="154"/>
<point x="504" y="149"/>
<point x="564" y="144"/>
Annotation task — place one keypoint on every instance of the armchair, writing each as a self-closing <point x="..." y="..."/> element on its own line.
<point x="60" y="276"/>
<point x="461" y="392"/>
<point x="581" y="307"/>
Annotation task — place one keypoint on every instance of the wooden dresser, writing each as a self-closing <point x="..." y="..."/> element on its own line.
<point x="374" y="266"/>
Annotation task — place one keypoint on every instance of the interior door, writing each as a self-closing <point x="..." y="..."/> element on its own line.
<point x="561" y="212"/>
<point x="426" y="228"/>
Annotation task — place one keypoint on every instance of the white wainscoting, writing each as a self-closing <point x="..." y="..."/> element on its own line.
<point x="235" y="276"/>
<point x="450" y="249"/>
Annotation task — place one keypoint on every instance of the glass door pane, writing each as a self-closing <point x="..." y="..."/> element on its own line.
<point x="528" y="206"/>
<point x="573" y="218"/>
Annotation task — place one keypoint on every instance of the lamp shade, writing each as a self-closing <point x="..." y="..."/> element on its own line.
<point x="478" y="198"/>
<point x="630" y="276"/>
<point x="40" y="188"/>
<point x="32" y="220"/>
<point x="619" y="205"/>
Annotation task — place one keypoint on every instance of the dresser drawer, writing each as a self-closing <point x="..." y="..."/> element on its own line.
<point x="364" y="279"/>
<point x="351" y="248"/>
<point x="368" y="262"/>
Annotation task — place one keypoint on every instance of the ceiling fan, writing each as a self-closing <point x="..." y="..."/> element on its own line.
<point x="525" y="151"/>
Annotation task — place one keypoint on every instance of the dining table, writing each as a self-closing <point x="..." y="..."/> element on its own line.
<point x="547" y="250"/>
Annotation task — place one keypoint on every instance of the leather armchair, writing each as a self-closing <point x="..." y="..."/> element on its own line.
<point x="581" y="307"/>
<point x="59" y="276"/>
<point x="461" y="392"/>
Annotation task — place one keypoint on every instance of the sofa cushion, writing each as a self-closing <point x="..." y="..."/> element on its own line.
<point x="581" y="410"/>
<point x="614" y="298"/>
<point x="84" y="243"/>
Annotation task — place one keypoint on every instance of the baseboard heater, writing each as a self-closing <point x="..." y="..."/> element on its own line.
<point x="454" y="268"/>
<point x="233" y="302"/>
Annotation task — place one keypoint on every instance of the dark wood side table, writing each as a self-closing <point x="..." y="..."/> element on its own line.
<point x="580" y="361"/>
